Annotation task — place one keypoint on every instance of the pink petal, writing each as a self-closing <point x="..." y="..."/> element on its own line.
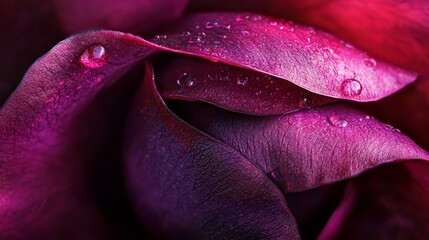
<point x="235" y="89"/>
<point x="187" y="185"/>
<point x="308" y="148"/>
<point x="393" y="30"/>
<point x="309" y="58"/>
<point x="136" y="16"/>
<point x="55" y="132"/>
<point x="389" y="202"/>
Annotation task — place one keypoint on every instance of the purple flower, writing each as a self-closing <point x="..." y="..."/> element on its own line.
<point x="218" y="121"/>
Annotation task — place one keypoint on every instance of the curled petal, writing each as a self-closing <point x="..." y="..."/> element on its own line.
<point x="309" y="58"/>
<point x="232" y="88"/>
<point x="393" y="30"/>
<point x="308" y="148"/>
<point x="54" y="134"/>
<point x="187" y="185"/>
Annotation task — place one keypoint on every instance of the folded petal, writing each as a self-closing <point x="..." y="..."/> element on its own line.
<point x="308" y="148"/>
<point x="309" y="58"/>
<point x="57" y="132"/>
<point x="136" y="16"/>
<point x="232" y="88"/>
<point x="186" y="185"/>
<point x="389" y="202"/>
<point x="393" y="30"/>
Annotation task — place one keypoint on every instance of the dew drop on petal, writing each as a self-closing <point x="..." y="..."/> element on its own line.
<point x="186" y="33"/>
<point x="242" y="81"/>
<point x="303" y="102"/>
<point x="337" y="121"/>
<point x="185" y="80"/>
<point x="94" y="56"/>
<point x="351" y="87"/>
<point x="370" y="62"/>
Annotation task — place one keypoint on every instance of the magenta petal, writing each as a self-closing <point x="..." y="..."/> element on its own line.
<point x="308" y="148"/>
<point x="309" y="58"/>
<point x="187" y="185"/>
<point x="389" y="202"/>
<point x="54" y="132"/>
<point x="232" y="88"/>
<point x="136" y="16"/>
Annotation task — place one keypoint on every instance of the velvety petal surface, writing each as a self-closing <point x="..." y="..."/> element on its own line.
<point x="187" y="185"/>
<point x="309" y="58"/>
<point x="56" y="130"/>
<point x="393" y="30"/>
<point x="308" y="148"/>
<point x="389" y="202"/>
<point x="135" y="16"/>
<point x="233" y="88"/>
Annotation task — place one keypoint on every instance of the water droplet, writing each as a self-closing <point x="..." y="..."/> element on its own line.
<point x="185" y="80"/>
<point x="228" y="26"/>
<point x="223" y="74"/>
<point x="94" y="56"/>
<point x="370" y="62"/>
<point x="224" y="36"/>
<point x="160" y="36"/>
<point x="281" y="27"/>
<point x="337" y="121"/>
<point x="309" y="40"/>
<point x="186" y="33"/>
<point x="211" y="25"/>
<point x="242" y="81"/>
<point x="244" y="32"/>
<point x="273" y="23"/>
<point x="351" y="87"/>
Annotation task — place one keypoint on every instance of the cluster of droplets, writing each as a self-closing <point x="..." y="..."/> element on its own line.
<point x="94" y="56"/>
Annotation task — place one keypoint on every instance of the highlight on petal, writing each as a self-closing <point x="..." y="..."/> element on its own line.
<point x="136" y="16"/>
<point x="385" y="203"/>
<point x="232" y="88"/>
<point x="55" y="136"/>
<point x="187" y="185"/>
<point x="393" y="30"/>
<point x="308" y="148"/>
<point x="309" y="58"/>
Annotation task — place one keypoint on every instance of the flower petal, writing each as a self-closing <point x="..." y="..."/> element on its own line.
<point x="393" y="30"/>
<point x="187" y="185"/>
<point x="232" y="88"/>
<point x="309" y="58"/>
<point x="54" y="134"/>
<point x="308" y="148"/>
<point x="125" y="15"/>
<point x="389" y="202"/>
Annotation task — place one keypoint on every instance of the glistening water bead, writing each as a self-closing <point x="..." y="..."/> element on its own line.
<point x="337" y="121"/>
<point x="351" y="87"/>
<point x="94" y="56"/>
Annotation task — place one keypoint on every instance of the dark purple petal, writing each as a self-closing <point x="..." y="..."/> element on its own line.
<point x="135" y="16"/>
<point x="57" y="132"/>
<point x="309" y="58"/>
<point x="187" y="185"/>
<point x="235" y="89"/>
<point x="389" y="202"/>
<point x="393" y="30"/>
<point x="307" y="148"/>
